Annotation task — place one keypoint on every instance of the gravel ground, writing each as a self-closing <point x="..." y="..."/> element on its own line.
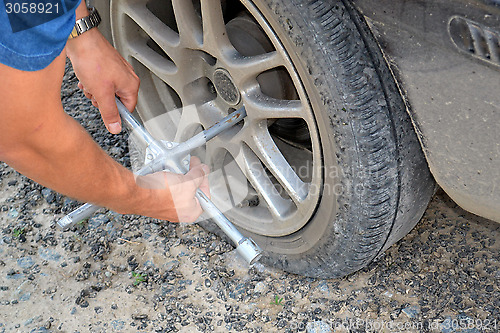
<point x="126" y="273"/>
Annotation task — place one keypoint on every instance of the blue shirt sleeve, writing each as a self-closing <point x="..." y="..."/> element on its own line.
<point x="35" y="48"/>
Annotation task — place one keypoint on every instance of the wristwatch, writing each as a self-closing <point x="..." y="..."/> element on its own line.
<point x="86" y="23"/>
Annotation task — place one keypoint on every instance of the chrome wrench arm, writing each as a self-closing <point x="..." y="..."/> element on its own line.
<point x="157" y="149"/>
<point x="247" y="248"/>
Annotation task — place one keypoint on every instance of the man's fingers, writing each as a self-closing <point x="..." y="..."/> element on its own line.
<point x="194" y="161"/>
<point x="85" y="91"/>
<point x="198" y="172"/>
<point x="128" y="100"/>
<point x="196" y="175"/>
<point x="204" y="187"/>
<point x="109" y="111"/>
<point x="192" y="214"/>
<point x="130" y="67"/>
<point x="129" y="96"/>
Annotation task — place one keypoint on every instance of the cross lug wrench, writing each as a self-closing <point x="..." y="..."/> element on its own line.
<point x="169" y="156"/>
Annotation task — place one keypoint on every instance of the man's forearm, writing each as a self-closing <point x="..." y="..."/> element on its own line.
<point x="81" y="10"/>
<point x="39" y="140"/>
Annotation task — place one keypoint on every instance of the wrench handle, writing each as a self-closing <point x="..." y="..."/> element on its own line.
<point x="246" y="247"/>
<point x="81" y="213"/>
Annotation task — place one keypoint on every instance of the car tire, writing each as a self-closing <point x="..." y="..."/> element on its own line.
<point x="374" y="180"/>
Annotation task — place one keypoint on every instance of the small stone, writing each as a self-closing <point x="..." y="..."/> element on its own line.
<point x="25" y="262"/>
<point x="411" y="311"/>
<point x="97" y="287"/>
<point x="98" y="309"/>
<point x="82" y="302"/>
<point x="73" y="311"/>
<point x="50" y="291"/>
<point x="318" y="327"/>
<point x="82" y="275"/>
<point x="260" y="287"/>
<point x="13" y="213"/>
<point x="114" y="306"/>
<point x="98" y="221"/>
<point x="132" y="262"/>
<point x="171" y="265"/>
<point x="117" y="325"/>
<point x="139" y="316"/>
<point x="48" y="254"/>
<point x="49" y="195"/>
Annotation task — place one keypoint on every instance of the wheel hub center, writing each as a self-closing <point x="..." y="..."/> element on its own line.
<point x="225" y="87"/>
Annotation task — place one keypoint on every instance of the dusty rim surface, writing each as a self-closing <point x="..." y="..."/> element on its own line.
<point x="125" y="273"/>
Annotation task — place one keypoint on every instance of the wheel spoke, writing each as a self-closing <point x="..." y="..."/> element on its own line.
<point x="188" y="23"/>
<point x="165" y="37"/>
<point x="244" y="68"/>
<point x="189" y="119"/>
<point x="164" y="125"/>
<point x="214" y="30"/>
<point x="263" y="145"/>
<point x="260" y="106"/>
<point x="254" y="172"/>
<point x="161" y="67"/>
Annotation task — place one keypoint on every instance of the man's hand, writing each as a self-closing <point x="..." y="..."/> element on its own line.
<point x="103" y="73"/>
<point x="182" y="188"/>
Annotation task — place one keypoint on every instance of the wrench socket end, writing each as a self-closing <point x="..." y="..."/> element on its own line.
<point x="250" y="251"/>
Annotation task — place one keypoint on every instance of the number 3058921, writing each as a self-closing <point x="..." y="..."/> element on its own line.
<point x="31" y="8"/>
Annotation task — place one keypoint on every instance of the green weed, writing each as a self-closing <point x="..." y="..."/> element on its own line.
<point x="17" y="232"/>
<point x="139" y="277"/>
<point x="277" y="300"/>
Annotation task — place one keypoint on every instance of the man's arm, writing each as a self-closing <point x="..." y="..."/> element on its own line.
<point x="103" y="73"/>
<point x="40" y="140"/>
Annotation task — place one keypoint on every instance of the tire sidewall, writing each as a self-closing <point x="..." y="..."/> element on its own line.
<point x="338" y="196"/>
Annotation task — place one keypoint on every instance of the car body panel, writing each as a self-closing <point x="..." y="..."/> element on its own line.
<point x="452" y="92"/>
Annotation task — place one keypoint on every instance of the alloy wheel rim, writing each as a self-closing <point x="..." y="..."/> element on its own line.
<point x="189" y="59"/>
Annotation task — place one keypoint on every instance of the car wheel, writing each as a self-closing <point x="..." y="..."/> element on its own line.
<point x="327" y="163"/>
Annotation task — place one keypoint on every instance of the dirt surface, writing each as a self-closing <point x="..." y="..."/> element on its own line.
<point x="118" y="273"/>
